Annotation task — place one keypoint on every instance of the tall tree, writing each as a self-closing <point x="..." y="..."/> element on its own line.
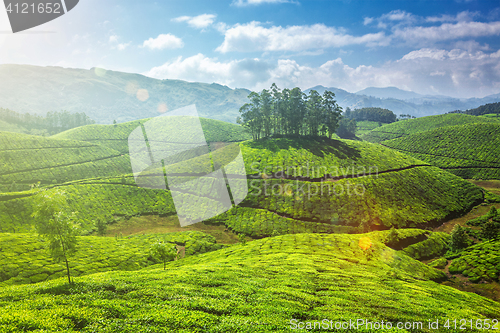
<point x="332" y="112"/>
<point x="314" y="107"/>
<point x="53" y="223"/>
<point x="276" y="113"/>
<point x="297" y="110"/>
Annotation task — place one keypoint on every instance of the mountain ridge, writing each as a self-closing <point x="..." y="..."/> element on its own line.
<point x="106" y="95"/>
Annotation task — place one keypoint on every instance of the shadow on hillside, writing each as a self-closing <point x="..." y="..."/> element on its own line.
<point x="319" y="146"/>
<point x="78" y="288"/>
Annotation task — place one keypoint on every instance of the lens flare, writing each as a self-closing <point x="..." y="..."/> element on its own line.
<point x="142" y="95"/>
<point x="100" y="71"/>
<point x="162" y="108"/>
<point x="131" y="88"/>
<point x="365" y="243"/>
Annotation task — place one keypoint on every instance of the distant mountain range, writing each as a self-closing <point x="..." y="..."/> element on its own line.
<point x="109" y="95"/>
<point x="406" y="102"/>
<point x="106" y="96"/>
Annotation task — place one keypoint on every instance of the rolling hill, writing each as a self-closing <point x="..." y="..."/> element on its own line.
<point x="116" y="136"/>
<point x="30" y="159"/>
<point x="411" y="126"/>
<point x="265" y="285"/>
<point x="108" y="95"/>
<point x="350" y="183"/>
<point x="24" y="257"/>
<point x="469" y="151"/>
<point x="324" y="186"/>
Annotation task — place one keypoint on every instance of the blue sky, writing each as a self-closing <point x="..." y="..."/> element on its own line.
<point x="430" y="47"/>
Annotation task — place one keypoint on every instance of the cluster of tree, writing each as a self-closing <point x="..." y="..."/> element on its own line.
<point x="53" y="122"/>
<point x="490" y="230"/>
<point x="290" y="112"/>
<point x="371" y="114"/>
<point x="406" y="116"/>
<point x="485" y="109"/>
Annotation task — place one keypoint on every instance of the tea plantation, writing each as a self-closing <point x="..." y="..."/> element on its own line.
<point x="479" y="262"/>
<point x="469" y="151"/>
<point x="257" y="287"/>
<point x="28" y="159"/>
<point x="411" y="126"/>
<point x="24" y="257"/>
<point x="116" y="136"/>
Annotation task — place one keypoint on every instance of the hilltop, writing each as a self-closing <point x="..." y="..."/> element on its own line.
<point x="343" y="183"/>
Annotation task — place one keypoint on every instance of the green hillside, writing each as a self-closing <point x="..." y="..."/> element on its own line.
<point x="8" y="127"/>
<point x="367" y="186"/>
<point x="116" y="136"/>
<point x="28" y="159"/>
<point x="257" y="287"/>
<point x="365" y="126"/>
<point x="470" y="151"/>
<point x="24" y="257"/>
<point x="104" y="199"/>
<point x="412" y="126"/>
<point x="106" y="95"/>
<point x="479" y="262"/>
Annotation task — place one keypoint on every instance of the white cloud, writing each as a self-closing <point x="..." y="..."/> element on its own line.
<point x="241" y="3"/>
<point x="448" y="31"/>
<point x="254" y="37"/>
<point x="199" y="68"/>
<point x="123" y="46"/>
<point x="199" y="22"/>
<point x="460" y="17"/>
<point x="429" y="71"/>
<point x="113" y="38"/>
<point x="163" y="41"/>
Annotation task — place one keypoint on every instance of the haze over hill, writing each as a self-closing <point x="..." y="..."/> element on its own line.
<point x="110" y="95"/>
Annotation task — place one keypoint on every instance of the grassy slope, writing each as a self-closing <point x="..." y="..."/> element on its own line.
<point x="28" y="159"/>
<point x="103" y="199"/>
<point x="8" y="127"/>
<point x="470" y="151"/>
<point x="376" y="200"/>
<point x="479" y="262"/>
<point x="257" y="287"/>
<point x="365" y="126"/>
<point x="412" y="126"/>
<point x="25" y="259"/>
<point x="408" y="197"/>
<point x="116" y="136"/>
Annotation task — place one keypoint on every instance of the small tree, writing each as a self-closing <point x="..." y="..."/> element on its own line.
<point x="459" y="239"/>
<point x="242" y="239"/>
<point x="54" y="224"/>
<point x="490" y="230"/>
<point x="492" y="213"/>
<point x="101" y="227"/>
<point x="163" y="252"/>
<point x="392" y="237"/>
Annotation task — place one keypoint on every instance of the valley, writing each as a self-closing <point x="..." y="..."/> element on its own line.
<point x="331" y="228"/>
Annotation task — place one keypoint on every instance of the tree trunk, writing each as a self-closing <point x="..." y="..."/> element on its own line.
<point x="67" y="270"/>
